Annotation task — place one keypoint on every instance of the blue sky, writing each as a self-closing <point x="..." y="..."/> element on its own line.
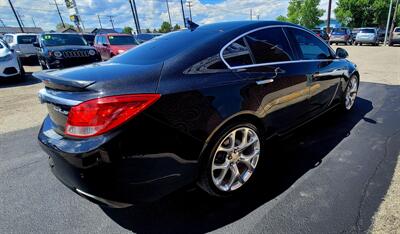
<point x="151" y="12"/>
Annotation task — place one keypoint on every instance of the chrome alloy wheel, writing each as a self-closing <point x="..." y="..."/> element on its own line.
<point x="235" y="159"/>
<point x="351" y="93"/>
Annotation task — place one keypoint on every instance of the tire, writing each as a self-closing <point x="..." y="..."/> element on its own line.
<point x="346" y="43"/>
<point x="337" y="43"/>
<point x="215" y="178"/>
<point x="21" y="73"/>
<point x="350" y="94"/>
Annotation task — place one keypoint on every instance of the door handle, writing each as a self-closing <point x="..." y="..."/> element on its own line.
<point x="266" y="81"/>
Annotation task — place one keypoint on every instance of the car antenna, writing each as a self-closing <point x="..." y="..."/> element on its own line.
<point x="191" y="25"/>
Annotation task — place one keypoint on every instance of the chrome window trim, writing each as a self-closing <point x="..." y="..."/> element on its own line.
<point x="272" y="63"/>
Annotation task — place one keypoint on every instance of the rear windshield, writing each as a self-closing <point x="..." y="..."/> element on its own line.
<point x="63" y="39"/>
<point x="122" y="40"/>
<point x="397" y="30"/>
<point x="367" y="30"/>
<point x="28" y="39"/>
<point x="339" y="30"/>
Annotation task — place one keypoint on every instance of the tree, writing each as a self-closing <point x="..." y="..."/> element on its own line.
<point x="165" y="27"/>
<point x="127" y="30"/>
<point x="177" y="27"/>
<point x="363" y="13"/>
<point x="303" y="12"/>
<point x="148" y="30"/>
<point x="60" y="26"/>
<point x="155" y="31"/>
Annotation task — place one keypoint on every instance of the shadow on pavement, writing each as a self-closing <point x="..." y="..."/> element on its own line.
<point x="290" y="158"/>
<point x="16" y="81"/>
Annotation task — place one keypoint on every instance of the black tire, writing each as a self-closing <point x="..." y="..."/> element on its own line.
<point x="343" y="101"/>
<point x="205" y="181"/>
<point x="21" y="73"/>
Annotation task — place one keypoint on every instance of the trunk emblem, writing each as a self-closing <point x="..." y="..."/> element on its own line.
<point x="59" y="110"/>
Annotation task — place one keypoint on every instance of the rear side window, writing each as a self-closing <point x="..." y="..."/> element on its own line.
<point x="237" y="54"/>
<point x="26" y="39"/>
<point x="309" y="47"/>
<point x="269" y="45"/>
<point x="397" y="30"/>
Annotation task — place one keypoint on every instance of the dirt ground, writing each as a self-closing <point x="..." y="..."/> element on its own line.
<point x="20" y="109"/>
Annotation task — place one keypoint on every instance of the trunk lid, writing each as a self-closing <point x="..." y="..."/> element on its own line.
<point x="69" y="87"/>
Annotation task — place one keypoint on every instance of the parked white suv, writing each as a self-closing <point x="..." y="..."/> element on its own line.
<point x="10" y="65"/>
<point x="22" y="44"/>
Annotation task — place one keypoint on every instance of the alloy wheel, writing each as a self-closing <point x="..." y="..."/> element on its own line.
<point x="351" y="93"/>
<point x="235" y="159"/>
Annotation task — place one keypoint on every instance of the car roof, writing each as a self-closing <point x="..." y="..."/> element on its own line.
<point x="113" y="34"/>
<point x="20" y="34"/>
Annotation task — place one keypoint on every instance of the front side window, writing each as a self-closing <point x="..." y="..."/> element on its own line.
<point x="269" y="45"/>
<point x="237" y="54"/>
<point x="309" y="47"/>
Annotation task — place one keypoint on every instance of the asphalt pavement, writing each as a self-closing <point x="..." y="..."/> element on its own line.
<point x="329" y="176"/>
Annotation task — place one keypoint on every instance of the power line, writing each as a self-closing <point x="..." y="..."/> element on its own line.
<point x="2" y="22"/>
<point x="134" y="17"/>
<point x="137" y="17"/>
<point x="169" y="14"/>
<point x="20" y="18"/>
<point x="183" y="14"/>
<point x="98" y="17"/>
<point x="33" y="21"/>
<point x="189" y="3"/>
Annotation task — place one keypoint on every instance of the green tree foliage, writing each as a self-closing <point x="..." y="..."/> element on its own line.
<point x="303" y="12"/>
<point x="177" y="27"/>
<point x="165" y="27"/>
<point x="362" y="13"/>
<point x="148" y="30"/>
<point x="127" y="30"/>
<point x="60" y="26"/>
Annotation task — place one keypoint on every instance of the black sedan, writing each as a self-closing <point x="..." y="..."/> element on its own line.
<point x="190" y="107"/>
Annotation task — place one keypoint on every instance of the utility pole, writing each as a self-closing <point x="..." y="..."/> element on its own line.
<point x="134" y="17"/>
<point x="33" y="21"/>
<point x="59" y="14"/>
<point x="137" y="17"/>
<point x="183" y="14"/>
<point x="98" y="17"/>
<point x="387" y="23"/>
<point x="169" y="14"/>
<point x="328" y="21"/>
<point x="2" y="22"/>
<point x="111" y="21"/>
<point x="394" y="19"/>
<point x="189" y="3"/>
<point x="15" y="14"/>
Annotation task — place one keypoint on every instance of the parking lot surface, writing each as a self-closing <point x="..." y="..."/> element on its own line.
<point x="329" y="176"/>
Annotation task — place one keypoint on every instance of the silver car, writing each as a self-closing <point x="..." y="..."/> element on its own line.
<point x="395" y="37"/>
<point x="22" y="44"/>
<point x="367" y="36"/>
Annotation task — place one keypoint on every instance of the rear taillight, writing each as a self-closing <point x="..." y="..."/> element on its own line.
<point x="97" y="116"/>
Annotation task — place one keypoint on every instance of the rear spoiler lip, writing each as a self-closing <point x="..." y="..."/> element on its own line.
<point x="58" y="82"/>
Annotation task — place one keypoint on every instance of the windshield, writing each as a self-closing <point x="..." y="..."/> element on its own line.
<point x="63" y="39"/>
<point x="122" y="40"/>
<point x="28" y="39"/>
<point x="367" y="30"/>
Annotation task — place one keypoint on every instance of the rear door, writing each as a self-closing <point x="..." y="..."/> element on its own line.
<point x="326" y="71"/>
<point x="279" y="82"/>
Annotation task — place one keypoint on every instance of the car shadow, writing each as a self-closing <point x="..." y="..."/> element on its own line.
<point x="290" y="157"/>
<point x="16" y="82"/>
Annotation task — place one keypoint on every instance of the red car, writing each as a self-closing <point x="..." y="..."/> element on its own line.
<point x="111" y="44"/>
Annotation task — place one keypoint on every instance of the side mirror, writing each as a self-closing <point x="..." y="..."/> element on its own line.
<point x="341" y="53"/>
<point x="36" y="44"/>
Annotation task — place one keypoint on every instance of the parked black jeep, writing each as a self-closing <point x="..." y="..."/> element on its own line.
<point x="61" y="50"/>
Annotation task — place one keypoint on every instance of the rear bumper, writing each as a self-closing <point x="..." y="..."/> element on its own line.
<point x="99" y="173"/>
<point x="367" y="41"/>
<point x="395" y="41"/>
<point x="9" y="68"/>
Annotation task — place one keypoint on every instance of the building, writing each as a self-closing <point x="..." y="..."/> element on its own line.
<point x="100" y="30"/>
<point x="5" y="30"/>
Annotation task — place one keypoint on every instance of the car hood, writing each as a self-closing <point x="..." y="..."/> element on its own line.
<point x="105" y="77"/>
<point x="61" y="48"/>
